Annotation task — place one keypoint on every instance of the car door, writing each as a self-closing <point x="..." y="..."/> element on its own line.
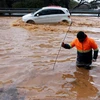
<point x="41" y="17"/>
<point x="59" y="15"/>
<point x="55" y="15"/>
<point x="47" y="16"/>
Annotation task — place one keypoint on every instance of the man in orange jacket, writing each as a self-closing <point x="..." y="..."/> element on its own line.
<point x="85" y="46"/>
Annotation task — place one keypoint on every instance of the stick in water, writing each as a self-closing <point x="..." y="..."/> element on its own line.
<point x="60" y="46"/>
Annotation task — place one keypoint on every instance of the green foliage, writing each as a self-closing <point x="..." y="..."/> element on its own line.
<point x="29" y="4"/>
<point x="72" y="4"/>
<point x="18" y="5"/>
<point x="41" y="3"/>
<point x="3" y="4"/>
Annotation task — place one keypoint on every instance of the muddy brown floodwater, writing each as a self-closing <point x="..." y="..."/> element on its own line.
<point x="27" y="57"/>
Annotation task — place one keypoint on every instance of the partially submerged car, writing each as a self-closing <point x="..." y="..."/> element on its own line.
<point x="50" y="14"/>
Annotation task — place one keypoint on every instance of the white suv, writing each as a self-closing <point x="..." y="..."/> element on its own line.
<point x="50" y="14"/>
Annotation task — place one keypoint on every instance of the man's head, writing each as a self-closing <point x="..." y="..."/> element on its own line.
<point x="81" y="36"/>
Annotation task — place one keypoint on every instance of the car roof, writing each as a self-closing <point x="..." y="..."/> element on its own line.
<point x="54" y="7"/>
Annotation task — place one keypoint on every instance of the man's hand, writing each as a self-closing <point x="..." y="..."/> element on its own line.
<point x="63" y="44"/>
<point x="94" y="60"/>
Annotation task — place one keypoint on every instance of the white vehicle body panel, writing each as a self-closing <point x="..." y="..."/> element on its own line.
<point x="49" y="18"/>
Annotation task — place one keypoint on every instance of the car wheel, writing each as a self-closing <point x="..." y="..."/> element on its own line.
<point x="65" y="21"/>
<point x="31" y="22"/>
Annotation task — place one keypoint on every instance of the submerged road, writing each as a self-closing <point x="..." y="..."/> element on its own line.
<point x="27" y="56"/>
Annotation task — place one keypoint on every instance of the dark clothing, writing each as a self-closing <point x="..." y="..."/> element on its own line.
<point x="84" y="57"/>
<point x="85" y="49"/>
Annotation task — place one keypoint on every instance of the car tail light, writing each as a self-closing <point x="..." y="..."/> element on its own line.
<point x="68" y="16"/>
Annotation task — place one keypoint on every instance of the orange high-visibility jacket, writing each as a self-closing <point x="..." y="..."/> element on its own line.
<point x="85" y="46"/>
<point x="84" y="49"/>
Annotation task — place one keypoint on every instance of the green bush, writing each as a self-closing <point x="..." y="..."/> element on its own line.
<point x="41" y="3"/>
<point x="29" y="4"/>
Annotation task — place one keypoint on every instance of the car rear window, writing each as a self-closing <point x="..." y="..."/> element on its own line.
<point x="67" y="11"/>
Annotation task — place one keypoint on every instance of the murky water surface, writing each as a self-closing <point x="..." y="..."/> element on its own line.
<point x="27" y="57"/>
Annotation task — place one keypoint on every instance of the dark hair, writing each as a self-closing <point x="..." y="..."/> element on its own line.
<point x="81" y="35"/>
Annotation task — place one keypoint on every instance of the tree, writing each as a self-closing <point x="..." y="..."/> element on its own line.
<point x="83" y="4"/>
<point x="63" y="3"/>
<point x="35" y="3"/>
<point x="3" y="4"/>
<point x="28" y="4"/>
<point x="72" y="4"/>
<point x="9" y="3"/>
<point x="95" y="4"/>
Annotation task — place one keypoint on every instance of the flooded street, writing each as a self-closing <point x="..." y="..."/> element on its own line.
<point x="28" y="54"/>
